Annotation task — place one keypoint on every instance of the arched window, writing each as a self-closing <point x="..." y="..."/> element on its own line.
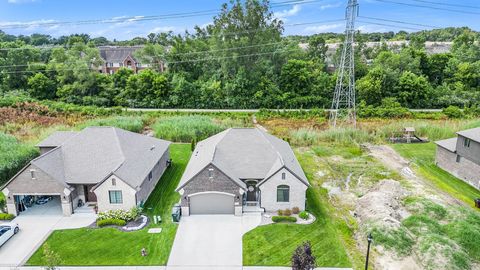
<point x="283" y="193"/>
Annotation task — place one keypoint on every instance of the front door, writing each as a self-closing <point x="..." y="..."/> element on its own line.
<point x="89" y="195"/>
<point x="251" y="191"/>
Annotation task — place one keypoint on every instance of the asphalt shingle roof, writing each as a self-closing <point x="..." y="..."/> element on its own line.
<point x="449" y="144"/>
<point x="96" y="152"/>
<point x="243" y="153"/>
<point x="57" y="138"/>
<point x="114" y="54"/>
<point x="473" y="134"/>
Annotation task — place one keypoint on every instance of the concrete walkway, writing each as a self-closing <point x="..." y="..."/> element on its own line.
<point x="36" y="225"/>
<point x="210" y="241"/>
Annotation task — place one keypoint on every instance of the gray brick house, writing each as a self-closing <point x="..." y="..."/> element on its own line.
<point x="242" y="170"/>
<point x="103" y="166"/>
<point x="460" y="156"/>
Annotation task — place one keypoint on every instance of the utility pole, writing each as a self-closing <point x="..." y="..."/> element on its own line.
<point x="369" y="239"/>
<point x="344" y="96"/>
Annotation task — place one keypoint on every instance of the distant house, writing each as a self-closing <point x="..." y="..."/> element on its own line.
<point x="116" y="57"/>
<point x="242" y="170"/>
<point x="103" y="166"/>
<point x="460" y="156"/>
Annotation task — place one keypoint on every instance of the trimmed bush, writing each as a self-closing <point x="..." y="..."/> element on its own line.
<point x="119" y="214"/>
<point x="278" y="219"/>
<point x="303" y="215"/>
<point x="280" y="212"/>
<point x="6" y="216"/>
<point x="295" y="210"/>
<point x="287" y="212"/>
<point x="111" y="221"/>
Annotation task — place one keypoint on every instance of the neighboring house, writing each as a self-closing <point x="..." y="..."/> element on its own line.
<point x="461" y="156"/>
<point x="116" y="57"/>
<point x="242" y="170"/>
<point x="104" y="166"/>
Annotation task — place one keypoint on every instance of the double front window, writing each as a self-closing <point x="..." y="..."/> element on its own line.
<point x="115" y="196"/>
<point x="283" y="193"/>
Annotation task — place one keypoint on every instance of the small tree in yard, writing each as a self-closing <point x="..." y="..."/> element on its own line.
<point x="303" y="258"/>
<point x="52" y="260"/>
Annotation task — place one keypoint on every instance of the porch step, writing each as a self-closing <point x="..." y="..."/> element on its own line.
<point x="252" y="209"/>
<point x="84" y="210"/>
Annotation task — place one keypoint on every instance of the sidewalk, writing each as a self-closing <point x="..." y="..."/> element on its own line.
<point x="166" y="268"/>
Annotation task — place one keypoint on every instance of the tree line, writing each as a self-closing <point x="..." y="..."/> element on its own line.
<point x="242" y="60"/>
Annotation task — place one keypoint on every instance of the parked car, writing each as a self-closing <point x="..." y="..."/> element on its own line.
<point x="43" y="200"/>
<point x="7" y="231"/>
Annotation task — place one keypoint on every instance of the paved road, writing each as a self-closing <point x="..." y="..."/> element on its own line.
<point x="36" y="224"/>
<point x="210" y="241"/>
<point x="238" y="110"/>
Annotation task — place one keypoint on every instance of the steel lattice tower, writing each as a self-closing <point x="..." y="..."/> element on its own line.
<point x="343" y="104"/>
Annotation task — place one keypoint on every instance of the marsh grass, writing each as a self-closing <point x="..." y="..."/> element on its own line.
<point x="13" y="156"/>
<point x="130" y="123"/>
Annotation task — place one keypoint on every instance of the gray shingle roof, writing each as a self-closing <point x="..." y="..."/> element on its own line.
<point x="473" y="134"/>
<point x="96" y="152"/>
<point x="243" y="153"/>
<point x="449" y="144"/>
<point x="117" y="54"/>
<point x="56" y="139"/>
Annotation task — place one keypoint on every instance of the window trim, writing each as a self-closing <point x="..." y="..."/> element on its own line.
<point x="466" y="142"/>
<point x="150" y="176"/>
<point x="283" y="188"/>
<point x="118" y="200"/>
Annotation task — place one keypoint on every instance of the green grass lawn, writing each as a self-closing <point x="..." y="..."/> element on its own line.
<point x="332" y="240"/>
<point x="423" y="155"/>
<point x="110" y="246"/>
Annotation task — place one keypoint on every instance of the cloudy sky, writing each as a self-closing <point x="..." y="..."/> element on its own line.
<point x="124" y="19"/>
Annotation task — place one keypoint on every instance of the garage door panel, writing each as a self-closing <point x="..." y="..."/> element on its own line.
<point x="211" y="204"/>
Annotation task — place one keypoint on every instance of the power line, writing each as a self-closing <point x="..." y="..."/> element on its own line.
<point x="146" y="18"/>
<point x="401" y="22"/>
<point x="391" y="25"/>
<point x="429" y="7"/>
<point x="169" y="63"/>
<point x="446" y="4"/>
<point x="206" y="35"/>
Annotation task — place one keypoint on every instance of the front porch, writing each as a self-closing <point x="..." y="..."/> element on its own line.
<point x="83" y="199"/>
<point x="251" y="198"/>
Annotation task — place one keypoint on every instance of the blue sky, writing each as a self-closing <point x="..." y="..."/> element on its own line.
<point x="32" y="11"/>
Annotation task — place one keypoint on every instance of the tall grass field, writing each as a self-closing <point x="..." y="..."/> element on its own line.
<point x="13" y="156"/>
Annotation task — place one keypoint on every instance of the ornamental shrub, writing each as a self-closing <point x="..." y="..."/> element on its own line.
<point x="287" y="212"/>
<point x="119" y="214"/>
<point x="303" y="215"/>
<point x="453" y="112"/>
<point x="111" y="221"/>
<point x="295" y="210"/>
<point x="277" y="219"/>
<point x="280" y="212"/>
<point x="6" y="216"/>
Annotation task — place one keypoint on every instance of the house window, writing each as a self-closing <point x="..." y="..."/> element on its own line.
<point x="32" y="174"/>
<point x="115" y="196"/>
<point x="150" y="176"/>
<point x="283" y="193"/>
<point x="283" y="176"/>
<point x="114" y="182"/>
<point x="466" y="142"/>
<point x="110" y="64"/>
<point x="459" y="158"/>
<point x="210" y="173"/>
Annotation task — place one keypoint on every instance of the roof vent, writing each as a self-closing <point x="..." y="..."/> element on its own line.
<point x="153" y="147"/>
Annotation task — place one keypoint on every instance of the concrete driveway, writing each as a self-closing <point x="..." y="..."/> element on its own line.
<point x="210" y="241"/>
<point x="36" y="224"/>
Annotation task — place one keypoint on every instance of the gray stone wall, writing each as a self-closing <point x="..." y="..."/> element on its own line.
<point x="218" y="182"/>
<point x="472" y="152"/>
<point x="465" y="169"/>
<point x="157" y="172"/>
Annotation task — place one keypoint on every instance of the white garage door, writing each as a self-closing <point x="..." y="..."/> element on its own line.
<point x="211" y="204"/>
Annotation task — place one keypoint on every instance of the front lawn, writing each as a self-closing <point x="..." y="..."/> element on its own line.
<point x="110" y="246"/>
<point x="423" y="156"/>
<point x="273" y="245"/>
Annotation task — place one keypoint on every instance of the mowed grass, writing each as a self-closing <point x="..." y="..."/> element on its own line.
<point x="109" y="246"/>
<point x="332" y="239"/>
<point x="423" y="156"/>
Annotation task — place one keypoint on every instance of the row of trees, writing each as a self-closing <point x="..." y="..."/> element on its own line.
<point x="241" y="60"/>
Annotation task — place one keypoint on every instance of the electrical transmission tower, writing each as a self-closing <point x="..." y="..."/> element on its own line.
<point x="343" y="104"/>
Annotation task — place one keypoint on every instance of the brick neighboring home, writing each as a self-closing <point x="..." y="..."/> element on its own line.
<point x="115" y="57"/>
<point x="104" y="166"/>
<point x="242" y="170"/>
<point x="460" y="156"/>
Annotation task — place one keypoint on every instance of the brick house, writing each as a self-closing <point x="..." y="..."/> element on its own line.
<point x="115" y="57"/>
<point x="460" y="156"/>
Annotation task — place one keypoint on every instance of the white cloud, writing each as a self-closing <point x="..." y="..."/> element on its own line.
<point x="327" y="6"/>
<point x="284" y="14"/>
<point x="26" y="25"/>
<point x="324" y="28"/>
<point x="371" y="29"/>
<point x="163" y="29"/>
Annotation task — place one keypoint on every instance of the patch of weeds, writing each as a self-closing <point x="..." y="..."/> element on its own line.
<point x="420" y="224"/>
<point x="466" y="232"/>
<point x="425" y="206"/>
<point x="440" y="252"/>
<point x="394" y="239"/>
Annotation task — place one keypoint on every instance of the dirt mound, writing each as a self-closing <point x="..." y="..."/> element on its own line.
<point x="382" y="204"/>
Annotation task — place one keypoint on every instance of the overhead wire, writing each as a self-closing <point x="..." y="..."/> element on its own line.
<point x="429" y="7"/>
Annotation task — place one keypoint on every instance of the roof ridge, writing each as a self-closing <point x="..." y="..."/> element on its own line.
<point x="271" y="145"/>
<point x="119" y="145"/>
<point x="216" y="145"/>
